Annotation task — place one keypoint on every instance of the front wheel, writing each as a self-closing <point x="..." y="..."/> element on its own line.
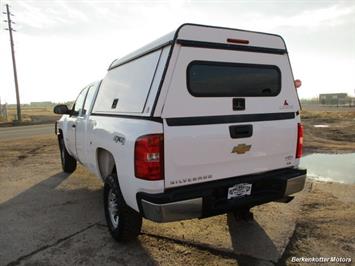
<point x="68" y="162"/>
<point x="123" y="222"/>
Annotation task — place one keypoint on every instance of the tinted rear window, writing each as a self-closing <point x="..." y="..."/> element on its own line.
<point x="218" y="79"/>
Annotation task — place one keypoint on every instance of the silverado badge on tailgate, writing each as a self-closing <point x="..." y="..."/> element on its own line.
<point x="241" y="148"/>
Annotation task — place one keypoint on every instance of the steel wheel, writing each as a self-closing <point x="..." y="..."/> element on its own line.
<point x="123" y="222"/>
<point x="112" y="207"/>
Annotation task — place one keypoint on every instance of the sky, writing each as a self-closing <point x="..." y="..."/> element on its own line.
<point x="61" y="46"/>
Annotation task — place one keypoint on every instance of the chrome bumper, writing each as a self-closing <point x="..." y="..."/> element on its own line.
<point x="173" y="211"/>
<point x="295" y="184"/>
<point x="193" y="208"/>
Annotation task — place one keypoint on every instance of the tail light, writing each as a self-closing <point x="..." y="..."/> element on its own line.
<point x="149" y="157"/>
<point x="299" y="141"/>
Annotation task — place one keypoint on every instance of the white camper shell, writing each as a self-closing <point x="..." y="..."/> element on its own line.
<point x="203" y="121"/>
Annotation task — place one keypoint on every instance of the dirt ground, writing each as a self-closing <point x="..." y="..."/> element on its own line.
<point x="337" y="137"/>
<point x="50" y="218"/>
<point x="325" y="227"/>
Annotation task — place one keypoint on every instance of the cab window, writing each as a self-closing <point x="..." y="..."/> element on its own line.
<point x="78" y="105"/>
<point x="89" y="98"/>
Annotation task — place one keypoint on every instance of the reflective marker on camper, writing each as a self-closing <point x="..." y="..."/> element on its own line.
<point x="298" y="83"/>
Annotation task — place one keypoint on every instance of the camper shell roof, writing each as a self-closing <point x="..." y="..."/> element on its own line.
<point x="211" y="37"/>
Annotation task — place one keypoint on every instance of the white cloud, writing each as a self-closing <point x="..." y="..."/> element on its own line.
<point x="63" y="45"/>
<point x="329" y="16"/>
<point x="323" y="17"/>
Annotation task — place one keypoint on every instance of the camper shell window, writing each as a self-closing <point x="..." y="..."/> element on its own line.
<point x="221" y="79"/>
<point x="126" y="87"/>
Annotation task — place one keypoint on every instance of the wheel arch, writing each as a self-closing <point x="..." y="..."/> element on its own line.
<point x="105" y="162"/>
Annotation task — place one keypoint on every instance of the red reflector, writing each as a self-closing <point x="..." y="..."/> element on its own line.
<point x="237" y="41"/>
<point x="298" y="83"/>
<point x="299" y="140"/>
<point x="149" y="157"/>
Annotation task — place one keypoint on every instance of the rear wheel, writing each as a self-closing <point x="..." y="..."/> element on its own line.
<point x="68" y="162"/>
<point x="123" y="222"/>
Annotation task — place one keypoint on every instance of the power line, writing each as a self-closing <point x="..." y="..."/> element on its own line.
<point x="10" y="29"/>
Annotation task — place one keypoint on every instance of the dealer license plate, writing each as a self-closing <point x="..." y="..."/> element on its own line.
<point x="239" y="190"/>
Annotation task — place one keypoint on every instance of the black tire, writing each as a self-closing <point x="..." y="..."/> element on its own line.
<point x="123" y="222"/>
<point x="68" y="162"/>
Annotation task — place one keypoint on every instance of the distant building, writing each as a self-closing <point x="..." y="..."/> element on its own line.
<point x="334" y="98"/>
<point x="41" y="104"/>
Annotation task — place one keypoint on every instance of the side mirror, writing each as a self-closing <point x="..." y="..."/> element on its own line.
<point x="61" y="109"/>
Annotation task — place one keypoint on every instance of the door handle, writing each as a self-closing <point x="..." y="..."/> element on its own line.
<point x="242" y="131"/>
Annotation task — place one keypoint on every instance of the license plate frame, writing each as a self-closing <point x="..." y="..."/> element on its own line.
<point x="239" y="190"/>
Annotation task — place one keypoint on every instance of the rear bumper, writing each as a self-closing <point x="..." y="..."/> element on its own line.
<point x="210" y="198"/>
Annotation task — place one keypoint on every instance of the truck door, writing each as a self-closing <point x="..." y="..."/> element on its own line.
<point x="82" y="123"/>
<point x="69" y="135"/>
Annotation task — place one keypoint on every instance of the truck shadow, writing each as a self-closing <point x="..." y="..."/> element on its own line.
<point x="250" y="240"/>
<point x="48" y="223"/>
<point x="52" y="221"/>
<point x="246" y="243"/>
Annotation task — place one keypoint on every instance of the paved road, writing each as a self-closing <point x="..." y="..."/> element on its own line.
<point x="21" y="132"/>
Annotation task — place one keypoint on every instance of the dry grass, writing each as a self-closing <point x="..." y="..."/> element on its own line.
<point x="32" y="110"/>
<point x="33" y="114"/>
<point x="329" y="116"/>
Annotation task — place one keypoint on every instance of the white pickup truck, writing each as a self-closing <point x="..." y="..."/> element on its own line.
<point x="201" y="122"/>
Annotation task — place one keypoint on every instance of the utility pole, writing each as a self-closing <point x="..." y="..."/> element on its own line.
<point x="10" y="29"/>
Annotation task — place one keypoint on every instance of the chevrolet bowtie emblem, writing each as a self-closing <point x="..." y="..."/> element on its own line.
<point x="241" y="148"/>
